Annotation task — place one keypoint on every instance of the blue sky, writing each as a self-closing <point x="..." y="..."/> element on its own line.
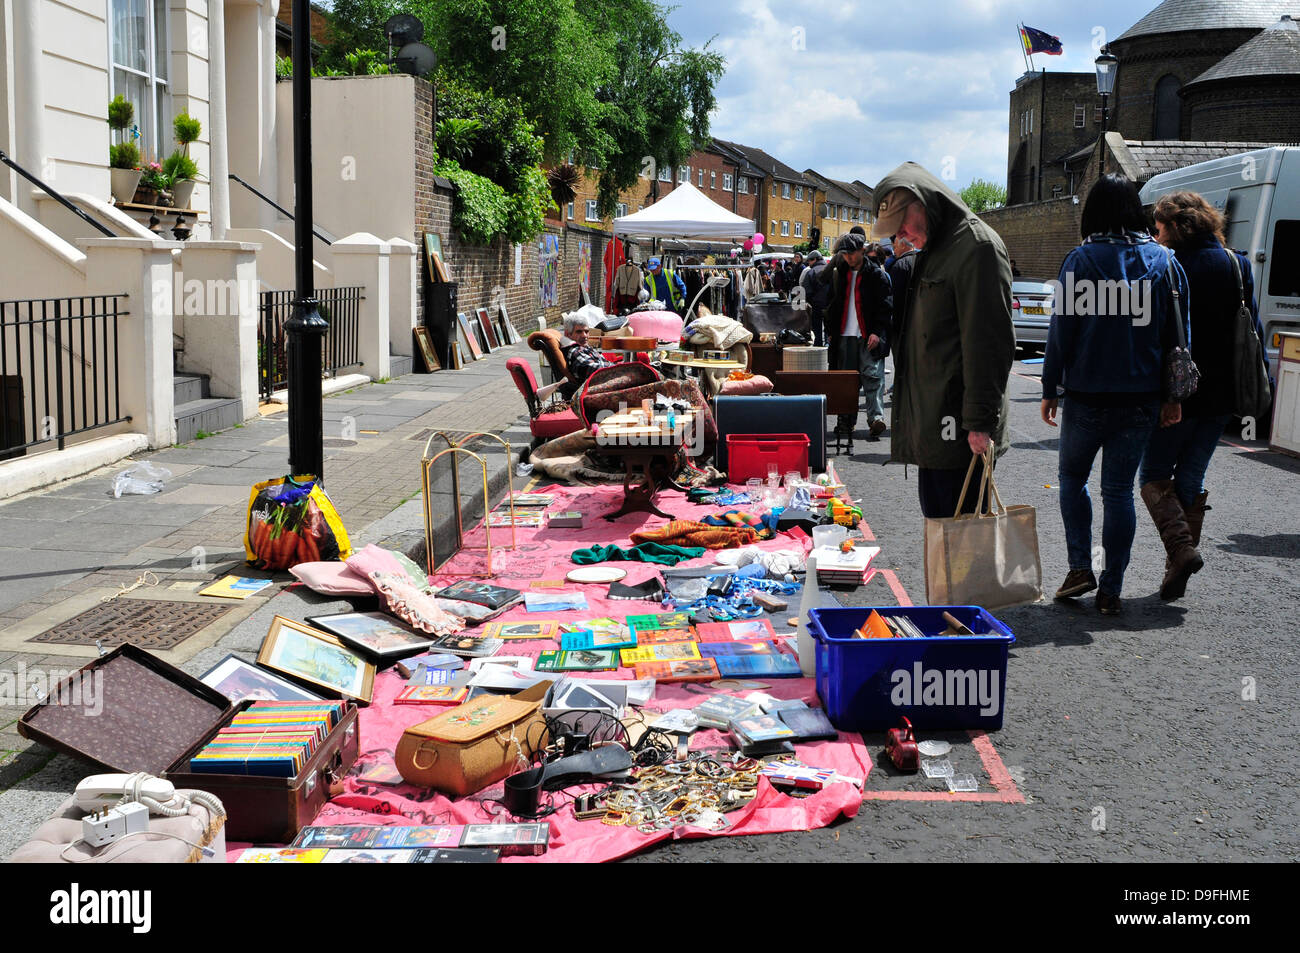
<point x="880" y="83"/>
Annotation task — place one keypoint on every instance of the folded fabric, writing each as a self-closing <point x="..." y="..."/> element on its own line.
<point x="765" y="526"/>
<point x="646" y="553"/>
<point x="691" y="533"/>
<point x="651" y="590"/>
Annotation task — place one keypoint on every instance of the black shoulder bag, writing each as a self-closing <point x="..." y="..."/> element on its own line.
<point x="1181" y="373"/>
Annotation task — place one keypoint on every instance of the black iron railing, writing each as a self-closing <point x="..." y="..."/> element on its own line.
<point x="285" y="212"/>
<point x="60" y="369"/>
<point x="341" y="307"/>
<point x="98" y="226"/>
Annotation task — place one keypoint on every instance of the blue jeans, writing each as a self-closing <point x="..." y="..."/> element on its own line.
<point x="1182" y="453"/>
<point x="1121" y="435"/>
<point x="854" y="356"/>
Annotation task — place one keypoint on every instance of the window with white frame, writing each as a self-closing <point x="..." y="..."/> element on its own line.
<point x="665" y="174"/>
<point x="785" y="190"/>
<point x="798" y="229"/>
<point x="785" y="228"/>
<point x="139" y="53"/>
<point x="772" y="230"/>
<point x="592" y="216"/>
<point x="798" y="193"/>
<point x="571" y="211"/>
<point x="701" y="182"/>
<point x="1080" y="116"/>
<point x="621" y="209"/>
<point x="773" y="190"/>
<point x="713" y="180"/>
<point x="726" y="182"/>
<point x="742" y="185"/>
<point x="683" y="175"/>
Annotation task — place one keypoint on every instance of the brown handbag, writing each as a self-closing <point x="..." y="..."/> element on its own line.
<point x="474" y="745"/>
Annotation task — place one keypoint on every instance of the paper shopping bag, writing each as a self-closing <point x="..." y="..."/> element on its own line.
<point x="988" y="558"/>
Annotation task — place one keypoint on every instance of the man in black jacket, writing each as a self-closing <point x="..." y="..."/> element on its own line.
<point x="858" y="317"/>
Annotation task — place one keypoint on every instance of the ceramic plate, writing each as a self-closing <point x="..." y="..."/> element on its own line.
<point x="596" y="574"/>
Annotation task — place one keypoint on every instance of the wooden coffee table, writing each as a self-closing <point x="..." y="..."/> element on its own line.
<point x="647" y="451"/>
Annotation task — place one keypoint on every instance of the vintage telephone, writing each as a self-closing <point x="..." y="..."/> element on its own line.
<point x="119" y="806"/>
<point x="108" y="790"/>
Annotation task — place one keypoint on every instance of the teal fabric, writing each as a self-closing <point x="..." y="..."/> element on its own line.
<point x="642" y="553"/>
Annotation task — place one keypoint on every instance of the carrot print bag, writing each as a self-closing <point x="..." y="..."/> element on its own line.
<point x="290" y="521"/>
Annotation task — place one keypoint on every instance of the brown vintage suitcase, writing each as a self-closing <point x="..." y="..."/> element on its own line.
<point x="150" y="716"/>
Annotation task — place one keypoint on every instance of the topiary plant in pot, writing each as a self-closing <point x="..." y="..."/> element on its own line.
<point x="183" y="170"/>
<point x="123" y="156"/>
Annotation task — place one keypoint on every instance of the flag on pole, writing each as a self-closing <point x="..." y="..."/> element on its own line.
<point x="1036" y="41"/>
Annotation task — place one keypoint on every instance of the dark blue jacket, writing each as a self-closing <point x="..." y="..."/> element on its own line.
<point x="1214" y="293"/>
<point x="1112" y="319"/>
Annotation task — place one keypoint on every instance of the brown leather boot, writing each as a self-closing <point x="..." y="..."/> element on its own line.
<point x="1196" y="516"/>
<point x="1171" y="522"/>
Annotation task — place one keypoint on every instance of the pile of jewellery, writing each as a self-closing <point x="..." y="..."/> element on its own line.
<point x="697" y="791"/>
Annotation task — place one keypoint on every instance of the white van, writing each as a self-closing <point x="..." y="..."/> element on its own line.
<point x="1259" y="192"/>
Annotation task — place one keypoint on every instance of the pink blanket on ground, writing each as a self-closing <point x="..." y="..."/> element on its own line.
<point x="544" y="554"/>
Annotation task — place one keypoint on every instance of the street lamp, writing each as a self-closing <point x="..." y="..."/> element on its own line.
<point x="1107" y="65"/>
<point x="305" y="328"/>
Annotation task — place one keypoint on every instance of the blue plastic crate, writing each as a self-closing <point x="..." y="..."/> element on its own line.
<point x="940" y="682"/>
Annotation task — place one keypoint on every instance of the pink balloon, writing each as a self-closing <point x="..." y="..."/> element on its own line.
<point x="749" y="243"/>
<point x="759" y="238"/>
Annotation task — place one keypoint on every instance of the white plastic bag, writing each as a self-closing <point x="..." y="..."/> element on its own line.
<point x="144" y="478"/>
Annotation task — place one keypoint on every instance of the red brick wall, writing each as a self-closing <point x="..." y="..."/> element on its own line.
<point x="479" y="269"/>
<point x="1039" y="235"/>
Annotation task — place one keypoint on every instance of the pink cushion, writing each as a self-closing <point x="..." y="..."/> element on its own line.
<point x="660" y="325"/>
<point x="332" y="579"/>
<point x="555" y="425"/>
<point x="758" y="384"/>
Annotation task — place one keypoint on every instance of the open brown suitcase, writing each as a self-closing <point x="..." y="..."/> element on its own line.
<point x="153" y="717"/>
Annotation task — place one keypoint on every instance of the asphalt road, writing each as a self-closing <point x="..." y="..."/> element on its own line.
<point x="1128" y="737"/>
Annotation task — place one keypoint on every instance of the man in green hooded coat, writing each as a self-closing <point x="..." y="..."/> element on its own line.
<point x="953" y="340"/>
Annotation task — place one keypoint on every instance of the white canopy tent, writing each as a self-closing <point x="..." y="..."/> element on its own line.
<point x="685" y="212"/>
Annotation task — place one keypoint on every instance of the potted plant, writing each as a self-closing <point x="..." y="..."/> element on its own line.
<point x="155" y="185"/>
<point x="123" y="156"/>
<point x="183" y="170"/>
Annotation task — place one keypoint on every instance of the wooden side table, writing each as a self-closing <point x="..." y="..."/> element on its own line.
<point x="647" y="453"/>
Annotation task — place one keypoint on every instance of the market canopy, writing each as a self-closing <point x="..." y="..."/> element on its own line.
<point x="685" y="212"/>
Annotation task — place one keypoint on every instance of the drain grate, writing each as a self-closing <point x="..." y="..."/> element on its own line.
<point x="148" y="623"/>
<point x="422" y="436"/>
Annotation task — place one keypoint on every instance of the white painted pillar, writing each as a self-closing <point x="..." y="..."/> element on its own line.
<point x="267" y="172"/>
<point x="219" y="144"/>
<point x="362" y="259"/>
<point x="29" y="99"/>
<point x="217" y="306"/>
<point x="143" y="270"/>
<point x="403" y="272"/>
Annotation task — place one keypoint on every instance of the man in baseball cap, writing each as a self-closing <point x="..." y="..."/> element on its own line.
<point x="858" y="315"/>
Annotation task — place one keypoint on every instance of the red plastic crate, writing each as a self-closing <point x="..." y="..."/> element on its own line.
<point x="750" y="455"/>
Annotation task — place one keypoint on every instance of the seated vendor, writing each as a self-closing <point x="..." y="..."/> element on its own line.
<point x="583" y="360"/>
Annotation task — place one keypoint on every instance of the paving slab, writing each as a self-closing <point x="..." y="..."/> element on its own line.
<point x="216" y="494"/>
<point x="30" y="573"/>
<point x="197" y="455"/>
<point x="47" y="508"/>
<point x="90" y="536"/>
<point x="159" y="511"/>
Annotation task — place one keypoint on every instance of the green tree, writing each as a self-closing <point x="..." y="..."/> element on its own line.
<point x="980" y="196"/>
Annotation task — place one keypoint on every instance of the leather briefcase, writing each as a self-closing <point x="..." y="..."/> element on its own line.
<point x="474" y="745"/>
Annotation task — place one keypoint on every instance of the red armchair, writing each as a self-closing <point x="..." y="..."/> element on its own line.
<point x="546" y="420"/>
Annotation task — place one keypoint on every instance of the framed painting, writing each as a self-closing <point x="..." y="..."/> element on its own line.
<point x="470" y="341"/>
<point x="316" y="658"/>
<point x="488" y="331"/>
<point x="424" y="346"/>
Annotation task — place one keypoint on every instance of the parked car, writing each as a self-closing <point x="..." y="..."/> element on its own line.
<point x="1031" y="312"/>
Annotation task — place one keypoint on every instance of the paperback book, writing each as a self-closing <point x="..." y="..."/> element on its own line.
<point x="481" y="593"/>
<point x="578" y="660"/>
<point x="660" y="652"/>
<point x="687" y="670"/>
<point x="748" y="630"/>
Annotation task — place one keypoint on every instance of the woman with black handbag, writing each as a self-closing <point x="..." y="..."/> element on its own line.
<point x="1178" y="456"/>
<point x="1107" y="352"/>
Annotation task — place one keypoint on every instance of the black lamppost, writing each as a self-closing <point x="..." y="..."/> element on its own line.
<point x="1107" y="66"/>
<point x="305" y="327"/>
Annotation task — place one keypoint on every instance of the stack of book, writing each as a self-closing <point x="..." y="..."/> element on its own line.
<point x="761" y="735"/>
<point x="836" y="567"/>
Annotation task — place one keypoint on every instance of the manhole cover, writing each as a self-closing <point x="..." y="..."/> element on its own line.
<point x="148" y="623"/>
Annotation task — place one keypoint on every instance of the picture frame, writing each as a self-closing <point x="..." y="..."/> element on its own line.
<point x="424" y="347"/>
<point x="312" y="657"/>
<point x="374" y="632"/>
<point x="470" y="338"/>
<point x="238" y="680"/>
<point x="489" y="332"/>
<point x="433" y="256"/>
<point x="457" y="362"/>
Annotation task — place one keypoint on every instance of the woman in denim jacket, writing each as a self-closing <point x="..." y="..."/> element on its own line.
<point x="1111" y="326"/>
<point x="1173" y="472"/>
